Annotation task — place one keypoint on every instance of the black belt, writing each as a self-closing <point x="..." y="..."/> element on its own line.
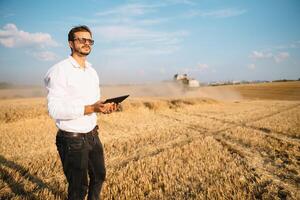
<point x="72" y="134"/>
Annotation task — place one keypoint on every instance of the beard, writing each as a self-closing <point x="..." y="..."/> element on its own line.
<point x="82" y="51"/>
<point x="85" y="53"/>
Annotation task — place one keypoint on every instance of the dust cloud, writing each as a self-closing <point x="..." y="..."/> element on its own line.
<point x="163" y="89"/>
<point x="171" y="89"/>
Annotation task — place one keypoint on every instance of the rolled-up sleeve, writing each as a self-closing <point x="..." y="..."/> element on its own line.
<point x="59" y="105"/>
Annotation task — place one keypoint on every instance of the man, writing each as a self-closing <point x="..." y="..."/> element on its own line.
<point x="73" y="101"/>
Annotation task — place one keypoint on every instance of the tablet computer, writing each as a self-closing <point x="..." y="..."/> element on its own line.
<point x="116" y="99"/>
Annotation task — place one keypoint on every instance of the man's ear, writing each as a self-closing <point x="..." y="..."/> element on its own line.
<point x="71" y="44"/>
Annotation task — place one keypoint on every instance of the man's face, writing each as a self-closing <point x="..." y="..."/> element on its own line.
<point x="81" y="44"/>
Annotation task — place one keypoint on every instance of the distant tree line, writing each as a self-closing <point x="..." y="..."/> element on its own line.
<point x="285" y="80"/>
<point x="5" y="85"/>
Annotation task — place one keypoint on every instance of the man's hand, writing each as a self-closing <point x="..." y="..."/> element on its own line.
<point x="100" y="107"/>
<point x="106" y="108"/>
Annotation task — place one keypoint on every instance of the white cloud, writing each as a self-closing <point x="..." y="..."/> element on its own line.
<point x="133" y="22"/>
<point x="130" y="10"/>
<point x="125" y="33"/>
<point x="139" y="9"/>
<point x="292" y="45"/>
<point x="130" y="14"/>
<point x="252" y="66"/>
<point x="222" y="13"/>
<point x="117" y="33"/>
<point x="260" y="55"/>
<point x="125" y="29"/>
<point x="6" y="15"/>
<point x="11" y="36"/>
<point x="44" y="55"/>
<point x="139" y="50"/>
<point x="137" y="14"/>
<point x="281" y="56"/>
<point x="281" y="47"/>
<point x="140" y="40"/>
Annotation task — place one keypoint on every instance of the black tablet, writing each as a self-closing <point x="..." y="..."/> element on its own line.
<point x="116" y="99"/>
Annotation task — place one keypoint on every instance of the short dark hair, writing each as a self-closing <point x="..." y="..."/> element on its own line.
<point x="75" y="29"/>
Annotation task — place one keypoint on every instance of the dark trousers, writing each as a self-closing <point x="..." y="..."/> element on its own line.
<point x="82" y="156"/>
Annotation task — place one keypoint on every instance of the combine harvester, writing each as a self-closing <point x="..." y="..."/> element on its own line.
<point x="186" y="82"/>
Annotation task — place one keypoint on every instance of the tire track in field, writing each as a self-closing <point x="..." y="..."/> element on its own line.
<point x="246" y="111"/>
<point x="257" y="163"/>
<point x="242" y="150"/>
<point x="277" y="135"/>
<point x="282" y="140"/>
<point x="277" y="112"/>
<point x="149" y="150"/>
<point x="139" y="151"/>
<point x="249" y="154"/>
<point x="291" y="182"/>
<point x="289" y="177"/>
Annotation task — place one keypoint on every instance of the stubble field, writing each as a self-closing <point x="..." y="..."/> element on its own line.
<point x="193" y="147"/>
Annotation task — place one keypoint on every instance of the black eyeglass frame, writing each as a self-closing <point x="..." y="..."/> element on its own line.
<point x="84" y="40"/>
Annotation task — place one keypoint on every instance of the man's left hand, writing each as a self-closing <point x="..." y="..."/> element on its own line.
<point x="109" y="108"/>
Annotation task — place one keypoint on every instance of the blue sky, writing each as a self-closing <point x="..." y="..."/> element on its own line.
<point x="148" y="41"/>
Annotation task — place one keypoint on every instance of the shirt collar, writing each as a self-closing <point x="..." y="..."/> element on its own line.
<point x="75" y="63"/>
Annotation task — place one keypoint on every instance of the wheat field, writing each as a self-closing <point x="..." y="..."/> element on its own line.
<point x="192" y="147"/>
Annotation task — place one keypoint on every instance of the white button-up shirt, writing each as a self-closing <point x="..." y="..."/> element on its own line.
<point x="70" y="88"/>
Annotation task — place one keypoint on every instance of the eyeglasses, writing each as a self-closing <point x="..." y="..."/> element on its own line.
<point x="84" y="40"/>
